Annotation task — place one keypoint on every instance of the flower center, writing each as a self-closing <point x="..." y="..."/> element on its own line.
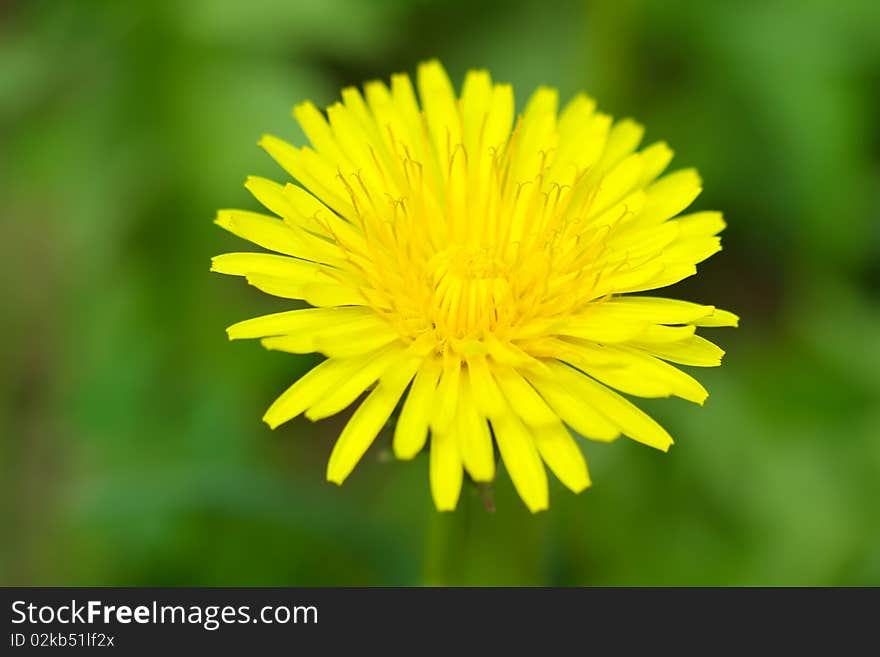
<point x="471" y="292"/>
<point x="469" y="264"/>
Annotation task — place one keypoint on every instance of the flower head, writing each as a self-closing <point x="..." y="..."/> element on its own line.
<point x="477" y="268"/>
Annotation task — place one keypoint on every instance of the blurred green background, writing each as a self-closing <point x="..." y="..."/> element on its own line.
<point x="132" y="450"/>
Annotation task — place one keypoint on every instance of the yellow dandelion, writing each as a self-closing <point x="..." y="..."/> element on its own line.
<point x="477" y="268"/>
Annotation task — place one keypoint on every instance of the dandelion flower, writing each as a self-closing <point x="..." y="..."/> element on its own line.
<point x="477" y="268"/>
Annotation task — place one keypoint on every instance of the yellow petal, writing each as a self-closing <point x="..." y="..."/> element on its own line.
<point x="602" y="323"/>
<point x="653" y="276"/>
<point x="270" y="194"/>
<point x="367" y="421"/>
<point x="408" y="129"/>
<point x="654" y="333"/>
<point x="318" y="131"/>
<point x="671" y="194"/>
<point x="692" y="251"/>
<point x="476" y="96"/>
<point x="656" y="310"/>
<point x="695" y="350"/>
<point x="441" y="110"/>
<point x="372" y="367"/>
<point x="412" y="426"/>
<point x="522" y="461"/>
<point x="381" y="105"/>
<point x="632" y="242"/>
<point x="636" y="373"/>
<point x="321" y="292"/>
<point x="336" y="341"/>
<point x="619" y="182"/>
<point x="523" y="398"/>
<point x="490" y="402"/>
<point x="445" y="471"/>
<point x="562" y="455"/>
<point x="536" y="136"/>
<point x="509" y="354"/>
<point x="446" y="399"/>
<point x="582" y="136"/>
<point x="263" y="230"/>
<point x="292" y="321"/>
<point x="719" y="318"/>
<point x="633" y="422"/>
<point x="309" y="214"/>
<point x="474" y="438"/>
<point x="655" y="158"/>
<point x="575" y="411"/>
<point x="356" y="140"/>
<point x="623" y="139"/>
<point x="700" y="224"/>
<point x="299" y="164"/>
<point x="500" y="117"/>
<point x="307" y="390"/>
<point x="269" y="264"/>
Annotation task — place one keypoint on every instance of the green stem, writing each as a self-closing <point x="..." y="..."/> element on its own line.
<point x="446" y="544"/>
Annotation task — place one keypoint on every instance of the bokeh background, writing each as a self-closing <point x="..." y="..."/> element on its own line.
<point x="132" y="450"/>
